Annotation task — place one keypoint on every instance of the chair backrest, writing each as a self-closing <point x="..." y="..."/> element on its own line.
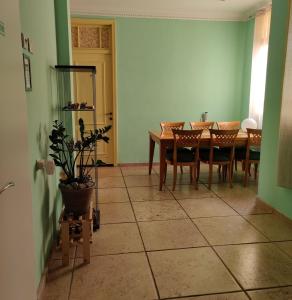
<point x="254" y="137"/>
<point x="187" y="138"/>
<point x="228" y="125"/>
<point x="201" y="125"/>
<point x="168" y="126"/>
<point x="223" y="138"/>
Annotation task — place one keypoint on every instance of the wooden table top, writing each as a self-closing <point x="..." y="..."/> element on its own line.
<point x="168" y="136"/>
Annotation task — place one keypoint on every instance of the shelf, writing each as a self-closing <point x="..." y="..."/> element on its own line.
<point x="72" y="68"/>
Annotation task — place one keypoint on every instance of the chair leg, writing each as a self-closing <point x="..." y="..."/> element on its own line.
<point x="181" y="169"/>
<point x="194" y="176"/>
<point x="210" y="175"/>
<point x="165" y="173"/>
<point x="235" y="165"/>
<point x="230" y="167"/>
<point x="256" y="171"/>
<point x="198" y="171"/>
<point x="246" y="173"/>
<point x="191" y="174"/>
<point x="174" y="176"/>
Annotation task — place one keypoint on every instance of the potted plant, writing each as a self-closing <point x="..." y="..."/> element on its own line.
<point x="74" y="158"/>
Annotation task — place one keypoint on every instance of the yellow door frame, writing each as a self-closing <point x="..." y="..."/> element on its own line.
<point x="80" y="21"/>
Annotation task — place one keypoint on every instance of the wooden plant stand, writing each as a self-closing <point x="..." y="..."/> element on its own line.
<point x="76" y="231"/>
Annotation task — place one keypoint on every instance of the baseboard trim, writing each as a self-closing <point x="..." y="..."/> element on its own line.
<point x="274" y="210"/>
<point x="136" y="164"/>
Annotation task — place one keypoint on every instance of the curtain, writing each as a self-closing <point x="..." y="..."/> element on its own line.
<point x="259" y="65"/>
<point x="285" y="130"/>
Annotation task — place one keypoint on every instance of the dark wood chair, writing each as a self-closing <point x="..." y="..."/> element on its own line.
<point x="184" y="139"/>
<point x="228" y="125"/>
<point x="221" y="152"/>
<point x="168" y="127"/>
<point x="201" y="125"/>
<point x="251" y="154"/>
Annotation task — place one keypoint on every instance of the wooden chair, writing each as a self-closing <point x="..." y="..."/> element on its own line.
<point x="228" y="125"/>
<point x="221" y="141"/>
<point x="201" y="125"/>
<point x="251" y="154"/>
<point x="187" y="157"/>
<point x="168" y="127"/>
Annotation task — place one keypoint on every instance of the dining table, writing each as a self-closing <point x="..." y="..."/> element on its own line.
<point x="165" y="140"/>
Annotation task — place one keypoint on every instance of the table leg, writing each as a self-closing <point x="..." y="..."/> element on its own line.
<point x="162" y="154"/>
<point x="151" y="153"/>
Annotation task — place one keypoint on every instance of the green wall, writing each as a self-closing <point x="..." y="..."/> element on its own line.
<point x="247" y="68"/>
<point x="175" y="70"/>
<point x="38" y="23"/>
<point x="269" y="191"/>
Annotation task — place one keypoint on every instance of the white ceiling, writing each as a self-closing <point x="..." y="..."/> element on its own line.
<point x="180" y="9"/>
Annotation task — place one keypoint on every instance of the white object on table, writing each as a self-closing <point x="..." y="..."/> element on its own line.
<point x="248" y="123"/>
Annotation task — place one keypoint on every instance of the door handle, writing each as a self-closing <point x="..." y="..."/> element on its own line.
<point x="7" y="186"/>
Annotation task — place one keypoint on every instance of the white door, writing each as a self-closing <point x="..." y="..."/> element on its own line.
<point x="17" y="267"/>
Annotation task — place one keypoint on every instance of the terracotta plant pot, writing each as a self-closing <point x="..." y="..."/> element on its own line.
<point x="76" y="201"/>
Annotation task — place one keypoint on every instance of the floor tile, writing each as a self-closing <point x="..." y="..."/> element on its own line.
<point x="249" y="206"/>
<point x="171" y="234"/>
<point x="284" y="293"/>
<point x="206" y="207"/>
<point x="274" y="227"/>
<point x="149" y="193"/>
<point x="243" y="200"/>
<point x="111" y="195"/>
<point x="146" y="180"/>
<point x="228" y="230"/>
<point x="116" y="213"/>
<point x="112" y="277"/>
<point x="158" y="210"/>
<point x="113" y="239"/>
<point x="180" y="179"/>
<point x="257" y="265"/>
<point x="237" y="191"/>
<point x="187" y="272"/>
<point x="285" y="246"/>
<point x="58" y="281"/>
<point x="110" y="182"/>
<point x="229" y="296"/>
<point x="109" y="172"/>
<point x="189" y="192"/>
<point x="135" y="170"/>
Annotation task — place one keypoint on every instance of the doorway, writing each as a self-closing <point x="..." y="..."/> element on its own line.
<point x="93" y="43"/>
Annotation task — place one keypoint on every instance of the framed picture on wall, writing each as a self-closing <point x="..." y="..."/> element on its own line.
<point x="27" y="72"/>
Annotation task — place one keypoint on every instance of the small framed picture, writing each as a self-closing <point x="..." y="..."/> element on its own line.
<point x="27" y="72"/>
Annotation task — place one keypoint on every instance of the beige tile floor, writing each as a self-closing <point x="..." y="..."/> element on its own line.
<point x="218" y="244"/>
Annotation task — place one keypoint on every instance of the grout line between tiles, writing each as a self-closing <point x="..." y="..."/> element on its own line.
<point x="137" y="224"/>
<point x="202" y="295"/>
<point x="72" y="273"/>
<point x="231" y="274"/>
